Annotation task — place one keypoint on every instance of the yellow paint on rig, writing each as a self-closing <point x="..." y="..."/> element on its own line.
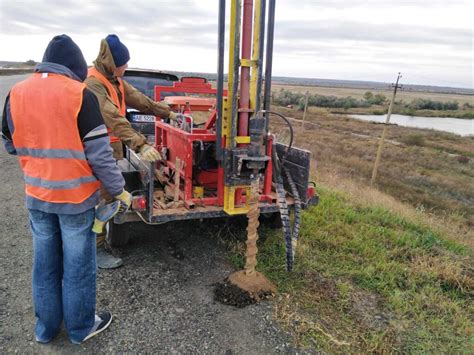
<point x="248" y="63"/>
<point x="255" y="54"/>
<point x="226" y="122"/>
<point x="227" y="117"/>
<point x="242" y="139"/>
<point x="229" y="200"/>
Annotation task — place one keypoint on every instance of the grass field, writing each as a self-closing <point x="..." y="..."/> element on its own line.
<point x="369" y="280"/>
<point x="372" y="275"/>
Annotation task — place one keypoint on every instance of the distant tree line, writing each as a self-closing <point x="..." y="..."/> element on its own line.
<point x="287" y="97"/>
<point x="427" y="104"/>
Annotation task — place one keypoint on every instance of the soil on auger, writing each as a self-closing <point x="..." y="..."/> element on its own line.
<point x="227" y="293"/>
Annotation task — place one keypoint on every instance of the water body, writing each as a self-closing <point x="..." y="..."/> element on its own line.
<point x="453" y="125"/>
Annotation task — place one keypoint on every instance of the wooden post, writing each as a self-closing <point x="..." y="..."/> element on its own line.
<point x="384" y="132"/>
<point x="305" y="109"/>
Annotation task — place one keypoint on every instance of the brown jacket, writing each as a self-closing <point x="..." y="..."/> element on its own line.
<point x="119" y="125"/>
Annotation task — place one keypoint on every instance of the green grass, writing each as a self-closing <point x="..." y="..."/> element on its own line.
<point x="366" y="279"/>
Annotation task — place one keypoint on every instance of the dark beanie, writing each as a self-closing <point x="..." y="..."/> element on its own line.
<point x="118" y="50"/>
<point x="62" y="50"/>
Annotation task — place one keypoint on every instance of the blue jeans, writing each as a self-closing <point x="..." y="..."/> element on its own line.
<point x="64" y="273"/>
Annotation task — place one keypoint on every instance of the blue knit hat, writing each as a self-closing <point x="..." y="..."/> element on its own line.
<point x="62" y="50"/>
<point x="119" y="51"/>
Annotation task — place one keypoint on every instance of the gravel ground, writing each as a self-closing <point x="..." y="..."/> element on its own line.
<point x="162" y="298"/>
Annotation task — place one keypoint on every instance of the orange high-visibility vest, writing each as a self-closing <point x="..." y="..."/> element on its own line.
<point x="44" y="111"/>
<point x="114" y="96"/>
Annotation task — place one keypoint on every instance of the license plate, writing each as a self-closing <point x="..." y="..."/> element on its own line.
<point x="142" y="118"/>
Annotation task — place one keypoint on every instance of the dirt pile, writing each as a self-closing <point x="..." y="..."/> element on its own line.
<point x="228" y="293"/>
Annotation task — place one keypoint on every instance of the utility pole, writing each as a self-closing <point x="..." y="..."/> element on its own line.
<point x="384" y="132"/>
<point x="305" y="109"/>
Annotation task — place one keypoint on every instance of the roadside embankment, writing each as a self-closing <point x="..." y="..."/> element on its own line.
<point x="15" y="71"/>
<point x="373" y="275"/>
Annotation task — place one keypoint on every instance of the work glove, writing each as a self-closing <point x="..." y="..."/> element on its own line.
<point x="179" y="118"/>
<point x="149" y="153"/>
<point x="125" y="198"/>
<point x="104" y="213"/>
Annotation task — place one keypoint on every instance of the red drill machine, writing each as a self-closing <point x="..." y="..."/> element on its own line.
<point x="222" y="157"/>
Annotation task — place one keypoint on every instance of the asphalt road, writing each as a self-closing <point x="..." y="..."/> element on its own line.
<point x="6" y="82"/>
<point x="162" y="298"/>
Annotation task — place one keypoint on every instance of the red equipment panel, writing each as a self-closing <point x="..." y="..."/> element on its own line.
<point x="180" y="144"/>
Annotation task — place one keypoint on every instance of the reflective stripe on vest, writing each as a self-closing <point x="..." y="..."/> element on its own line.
<point x="113" y="95"/>
<point x="44" y="110"/>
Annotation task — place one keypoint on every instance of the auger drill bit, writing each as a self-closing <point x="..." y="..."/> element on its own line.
<point x="250" y="281"/>
<point x="252" y="235"/>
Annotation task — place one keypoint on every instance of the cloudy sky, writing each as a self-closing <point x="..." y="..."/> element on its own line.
<point x="430" y="42"/>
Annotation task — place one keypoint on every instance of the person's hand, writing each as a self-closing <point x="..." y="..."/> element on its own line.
<point x="124" y="197"/>
<point x="149" y="153"/>
<point x="180" y="118"/>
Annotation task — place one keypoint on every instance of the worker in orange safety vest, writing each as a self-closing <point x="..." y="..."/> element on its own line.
<point x="53" y="123"/>
<point x="114" y="94"/>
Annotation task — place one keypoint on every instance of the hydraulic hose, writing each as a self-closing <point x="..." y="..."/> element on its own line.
<point x="290" y="127"/>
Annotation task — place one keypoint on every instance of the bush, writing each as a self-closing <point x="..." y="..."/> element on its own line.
<point x="451" y="105"/>
<point x="462" y="159"/>
<point x="427" y="104"/>
<point x="286" y="97"/>
<point x="378" y="99"/>
<point x="467" y="115"/>
<point x="414" y="139"/>
<point x="378" y="112"/>
<point x="372" y="99"/>
<point x="368" y="96"/>
<point x="410" y="111"/>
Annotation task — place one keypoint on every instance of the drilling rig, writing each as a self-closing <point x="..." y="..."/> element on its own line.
<point x="222" y="160"/>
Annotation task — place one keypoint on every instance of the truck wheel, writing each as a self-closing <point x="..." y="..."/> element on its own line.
<point x="119" y="234"/>
<point x="271" y="220"/>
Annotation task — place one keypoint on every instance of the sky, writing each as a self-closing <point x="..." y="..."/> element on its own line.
<point x="430" y="42"/>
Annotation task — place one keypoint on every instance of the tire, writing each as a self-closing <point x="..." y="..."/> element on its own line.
<point x="271" y="220"/>
<point x="119" y="234"/>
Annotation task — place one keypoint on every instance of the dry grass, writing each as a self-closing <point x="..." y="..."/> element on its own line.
<point x="449" y="225"/>
<point x="437" y="177"/>
<point x="456" y="274"/>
